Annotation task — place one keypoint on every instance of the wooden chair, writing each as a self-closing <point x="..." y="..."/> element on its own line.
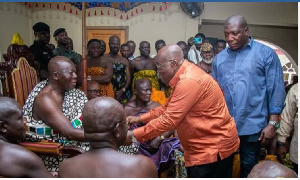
<point x="18" y="72"/>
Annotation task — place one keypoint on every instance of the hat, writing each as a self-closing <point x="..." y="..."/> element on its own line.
<point x="40" y="26"/>
<point x="57" y="31"/>
<point x="206" y="47"/>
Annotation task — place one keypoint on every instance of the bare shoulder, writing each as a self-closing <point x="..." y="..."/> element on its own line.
<point x="16" y="155"/>
<point x="66" y="167"/>
<point x="153" y="105"/>
<point x="147" y="168"/>
<point x="129" y="108"/>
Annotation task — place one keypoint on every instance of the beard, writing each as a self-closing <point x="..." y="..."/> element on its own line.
<point x="208" y="61"/>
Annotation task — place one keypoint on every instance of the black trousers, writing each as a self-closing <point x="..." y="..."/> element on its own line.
<point x="219" y="169"/>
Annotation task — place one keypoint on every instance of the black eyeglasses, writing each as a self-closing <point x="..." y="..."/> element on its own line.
<point x="95" y="91"/>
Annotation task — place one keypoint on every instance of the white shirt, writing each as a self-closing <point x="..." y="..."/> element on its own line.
<point x="192" y="55"/>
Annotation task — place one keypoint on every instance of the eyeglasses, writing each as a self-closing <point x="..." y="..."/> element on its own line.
<point x="95" y="91"/>
<point x="161" y="65"/>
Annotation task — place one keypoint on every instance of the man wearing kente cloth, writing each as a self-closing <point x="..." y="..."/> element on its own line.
<point x="53" y="110"/>
<point x="98" y="69"/>
<point x="121" y="74"/>
<point x="144" y="67"/>
<point x="160" y="149"/>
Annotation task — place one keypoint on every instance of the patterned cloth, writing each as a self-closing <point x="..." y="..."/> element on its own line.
<point x="37" y="130"/>
<point x="156" y="95"/>
<point x="180" y="165"/>
<point x="72" y="55"/>
<point x="149" y="74"/>
<point x="165" y="152"/>
<point x="119" y="80"/>
<point x="106" y="89"/>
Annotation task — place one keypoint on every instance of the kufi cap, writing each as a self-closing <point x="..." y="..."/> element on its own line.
<point x="57" y="31"/>
<point x="40" y="26"/>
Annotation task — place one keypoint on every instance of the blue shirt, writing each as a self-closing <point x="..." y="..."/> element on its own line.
<point x="252" y="82"/>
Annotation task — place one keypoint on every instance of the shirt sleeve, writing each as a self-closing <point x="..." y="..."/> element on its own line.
<point x="153" y="113"/>
<point x="275" y="84"/>
<point x="214" y="69"/>
<point x="180" y="103"/>
<point x="288" y="116"/>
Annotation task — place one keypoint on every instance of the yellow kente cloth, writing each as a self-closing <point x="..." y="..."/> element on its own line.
<point x="156" y="95"/>
<point x="106" y="89"/>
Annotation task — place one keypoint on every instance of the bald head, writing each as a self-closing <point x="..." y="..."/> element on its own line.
<point x="170" y="52"/>
<point x="8" y="107"/>
<point x="139" y="82"/>
<point x="270" y="169"/>
<point x="59" y="63"/>
<point x="236" y="32"/>
<point x="237" y="20"/>
<point x="101" y="115"/>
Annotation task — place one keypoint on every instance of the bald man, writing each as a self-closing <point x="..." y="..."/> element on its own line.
<point x="270" y="169"/>
<point x="105" y="127"/>
<point x="16" y="161"/>
<point x="250" y="75"/>
<point x="53" y="109"/>
<point x="197" y="110"/>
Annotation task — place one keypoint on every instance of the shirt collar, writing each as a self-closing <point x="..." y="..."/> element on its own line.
<point x="250" y="44"/>
<point x="176" y="77"/>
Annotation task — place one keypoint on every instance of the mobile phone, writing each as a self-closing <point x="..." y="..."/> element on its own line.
<point x="197" y="40"/>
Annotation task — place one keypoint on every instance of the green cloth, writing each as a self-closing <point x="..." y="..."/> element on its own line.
<point x="72" y="55"/>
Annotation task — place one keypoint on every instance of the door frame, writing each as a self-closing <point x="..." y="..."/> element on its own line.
<point x="126" y="28"/>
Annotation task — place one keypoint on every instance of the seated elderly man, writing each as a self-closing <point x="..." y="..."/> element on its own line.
<point x="160" y="149"/>
<point x="16" y="161"/>
<point x="270" y="169"/>
<point x="53" y="110"/>
<point x="105" y="127"/>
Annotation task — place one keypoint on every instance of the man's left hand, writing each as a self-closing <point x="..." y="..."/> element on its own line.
<point x="155" y="143"/>
<point x="267" y="134"/>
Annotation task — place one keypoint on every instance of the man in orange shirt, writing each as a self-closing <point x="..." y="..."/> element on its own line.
<point x="197" y="109"/>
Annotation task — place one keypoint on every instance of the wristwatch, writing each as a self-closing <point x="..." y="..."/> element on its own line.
<point x="162" y="137"/>
<point x="275" y="124"/>
<point x="278" y="143"/>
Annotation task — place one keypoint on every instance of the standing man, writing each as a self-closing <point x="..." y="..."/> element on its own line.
<point x="220" y="45"/>
<point x="125" y="50"/>
<point x="288" y="126"/>
<point x="250" y="75"/>
<point x="207" y="55"/>
<point x="62" y="39"/>
<point x="185" y="48"/>
<point x="159" y="44"/>
<point x="194" y="53"/>
<point x="41" y="49"/>
<point x="132" y="49"/>
<point x="121" y="73"/>
<point x="197" y="109"/>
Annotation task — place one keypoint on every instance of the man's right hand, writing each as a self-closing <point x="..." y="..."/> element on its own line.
<point x="281" y="153"/>
<point x="133" y="119"/>
<point x="190" y="41"/>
